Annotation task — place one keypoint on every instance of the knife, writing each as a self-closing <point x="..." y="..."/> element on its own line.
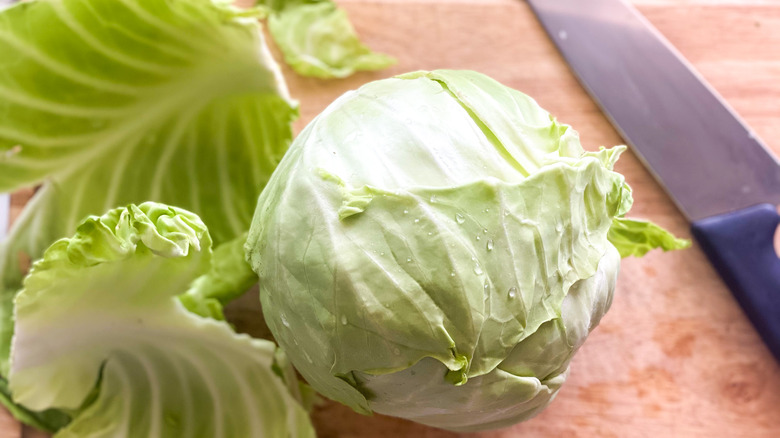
<point x="719" y="173"/>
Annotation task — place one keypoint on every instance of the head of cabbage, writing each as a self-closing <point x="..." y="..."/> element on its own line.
<point x="436" y="247"/>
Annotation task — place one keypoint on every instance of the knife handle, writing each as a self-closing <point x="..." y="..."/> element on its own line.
<point x="740" y="245"/>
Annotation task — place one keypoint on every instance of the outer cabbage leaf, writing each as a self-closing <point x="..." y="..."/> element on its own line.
<point x="636" y="237"/>
<point x="317" y="39"/>
<point x="101" y="307"/>
<point x="108" y="102"/>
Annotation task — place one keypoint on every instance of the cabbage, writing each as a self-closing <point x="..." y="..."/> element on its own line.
<point x="110" y="102"/>
<point x="101" y="333"/>
<point x="436" y="247"/>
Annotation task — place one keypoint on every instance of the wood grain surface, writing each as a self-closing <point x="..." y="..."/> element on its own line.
<point x="675" y="356"/>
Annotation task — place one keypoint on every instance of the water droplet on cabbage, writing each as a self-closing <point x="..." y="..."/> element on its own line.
<point x="490" y="245"/>
<point x="459" y="218"/>
<point x="343" y="320"/>
<point x="512" y="292"/>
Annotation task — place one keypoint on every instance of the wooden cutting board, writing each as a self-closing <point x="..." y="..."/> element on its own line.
<point x="675" y="356"/>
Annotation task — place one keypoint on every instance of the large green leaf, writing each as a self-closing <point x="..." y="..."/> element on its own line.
<point x="108" y="102"/>
<point x="102" y="307"/>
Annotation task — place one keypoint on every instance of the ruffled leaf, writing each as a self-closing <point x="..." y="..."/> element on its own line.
<point x="102" y="308"/>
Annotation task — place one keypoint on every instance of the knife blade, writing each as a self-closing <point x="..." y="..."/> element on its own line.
<point x="717" y="171"/>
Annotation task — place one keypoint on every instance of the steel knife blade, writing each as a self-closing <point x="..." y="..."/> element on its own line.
<point x="718" y="172"/>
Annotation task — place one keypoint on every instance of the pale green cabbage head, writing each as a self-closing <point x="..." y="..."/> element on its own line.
<point x="435" y="247"/>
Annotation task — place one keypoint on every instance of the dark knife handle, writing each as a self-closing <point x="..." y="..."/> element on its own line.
<point x="740" y="245"/>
